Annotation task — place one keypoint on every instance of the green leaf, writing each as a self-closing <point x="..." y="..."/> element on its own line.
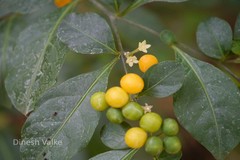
<point x="115" y="155"/>
<point x="86" y="33"/>
<point x="236" y="47"/>
<point x="207" y="106"/>
<point x="163" y="79"/>
<point x="7" y="29"/>
<point x="112" y="135"/>
<point x="23" y="6"/>
<point x="166" y="156"/>
<point x="237" y="29"/>
<point x="37" y="59"/>
<point x="65" y="116"/>
<point x="138" y="3"/>
<point x="214" y="37"/>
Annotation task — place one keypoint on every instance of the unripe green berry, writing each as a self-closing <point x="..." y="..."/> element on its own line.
<point x="98" y="101"/>
<point x="170" y="127"/>
<point x="114" y="115"/>
<point x="132" y="111"/>
<point x="154" y="145"/>
<point x="172" y="145"/>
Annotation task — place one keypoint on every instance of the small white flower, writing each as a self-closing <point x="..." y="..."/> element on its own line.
<point x="143" y="46"/>
<point x="126" y="54"/>
<point x="131" y="60"/>
<point x="147" y="108"/>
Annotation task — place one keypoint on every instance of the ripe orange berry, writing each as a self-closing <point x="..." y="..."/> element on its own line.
<point x="135" y="137"/>
<point x="116" y="97"/>
<point x="147" y="61"/>
<point x="132" y="83"/>
<point x="61" y="3"/>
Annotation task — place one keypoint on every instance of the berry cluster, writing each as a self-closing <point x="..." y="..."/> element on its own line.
<point x="153" y="132"/>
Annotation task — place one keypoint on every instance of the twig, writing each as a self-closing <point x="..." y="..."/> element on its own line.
<point x="112" y="19"/>
<point x="225" y="68"/>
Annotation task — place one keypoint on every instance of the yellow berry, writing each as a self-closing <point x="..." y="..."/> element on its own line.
<point x="116" y="97"/>
<point x="135" y="137"/>
<point x="132" y="83"/>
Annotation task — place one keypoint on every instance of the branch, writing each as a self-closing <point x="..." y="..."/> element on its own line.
<point x="112" y="20"/>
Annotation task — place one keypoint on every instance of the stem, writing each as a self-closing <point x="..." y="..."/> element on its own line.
<point x="226" y="69"/>
<point x="116" y="6"/>
<point x="130" y="8"/>
<point x="112" y="21"/>
<point x="133" y="52"/>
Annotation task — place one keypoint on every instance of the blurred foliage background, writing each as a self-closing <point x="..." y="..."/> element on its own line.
<point x="182" y="19"/>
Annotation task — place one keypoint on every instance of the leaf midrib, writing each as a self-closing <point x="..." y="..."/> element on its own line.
<point x="92" y="38"/>
<point x="42" y="54"/>
<point x="78" y="105"/>
<point x="206" y="94"/>
<point x="130" y="154"/>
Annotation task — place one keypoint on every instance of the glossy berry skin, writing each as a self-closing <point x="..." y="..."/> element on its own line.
<point x="61" y="3"/>
<point x="132" y="111"/>
<point x="147" y="61"/>
<point x="170" y="127"/>
<point x="135" y="137"/>
<point x="151" y="122"/>
<point x="154" y="145"/>
<point x="172" y="145"/>
<point x="98" y="101"/>
<point x="116" y="97"/>
<point x="132" y="83"/>
<point x="114" y="115"/>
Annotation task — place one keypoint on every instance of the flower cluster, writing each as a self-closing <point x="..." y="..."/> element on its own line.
<point x="130" y="58"/>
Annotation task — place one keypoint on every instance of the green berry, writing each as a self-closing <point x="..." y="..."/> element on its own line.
<point x="154" y="146"/>
<point x="170" y="127"/>
<point x="151" y="122"/>
<point x="172" y="145"/>
<point x="98" y="101"/>
<point x="132" y="111"/>
<point x="114" y="115"/>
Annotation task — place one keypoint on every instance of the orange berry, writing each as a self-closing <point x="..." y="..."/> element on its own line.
<point x="147" y="61"/>
<point x="61" y="3"/>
